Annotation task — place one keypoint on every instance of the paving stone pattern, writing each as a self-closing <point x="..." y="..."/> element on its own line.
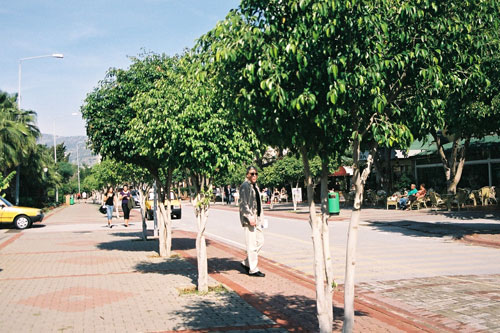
<point x="463" y="303"/>
<point x="107" y="282"/>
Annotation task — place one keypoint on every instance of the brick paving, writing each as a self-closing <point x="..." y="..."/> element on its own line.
<point x="464" y="303"/>
<point x="78" y="276"/>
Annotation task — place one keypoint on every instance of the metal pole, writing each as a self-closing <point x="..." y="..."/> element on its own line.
<point x="53" y="55"/>
<point x="78" y="165"/>
<point x="18" y="171"/>
<point x="55" y="162"/>
<point x="155" y="206"/>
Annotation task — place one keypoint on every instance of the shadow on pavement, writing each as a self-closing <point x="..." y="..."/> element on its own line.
<point x="470" y="215"/>
<point x="129" y="245"/>
<point x="169" y="266"/>
<point x="299" y="311"/>
<point x="135" y="243"/>
<point x="456" y="230"/>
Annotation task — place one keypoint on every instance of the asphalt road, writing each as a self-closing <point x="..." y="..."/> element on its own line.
<point x="391" y="245"/>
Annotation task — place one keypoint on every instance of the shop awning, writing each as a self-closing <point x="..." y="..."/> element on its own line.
<point x="342" y="171"/>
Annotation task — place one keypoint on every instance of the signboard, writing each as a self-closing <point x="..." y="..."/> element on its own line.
<point x="297" y="194"/>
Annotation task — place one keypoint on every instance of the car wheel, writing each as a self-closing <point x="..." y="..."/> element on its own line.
<point x="22" y="222"/>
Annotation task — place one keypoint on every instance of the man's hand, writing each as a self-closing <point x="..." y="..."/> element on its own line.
<point x="253" y="223"/>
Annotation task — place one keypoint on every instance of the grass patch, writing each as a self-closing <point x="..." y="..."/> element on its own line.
<point x="219" y="289"/>
<point x="174" y="256"/>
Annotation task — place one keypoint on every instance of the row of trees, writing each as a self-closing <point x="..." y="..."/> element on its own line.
<point x="317" y="78"/>
<point x="29" y="166"/>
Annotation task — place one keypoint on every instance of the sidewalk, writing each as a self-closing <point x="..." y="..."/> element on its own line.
<point x="77" y="275"/>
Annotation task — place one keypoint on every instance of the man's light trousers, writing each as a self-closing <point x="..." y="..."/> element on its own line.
<point x="254" y="238"/>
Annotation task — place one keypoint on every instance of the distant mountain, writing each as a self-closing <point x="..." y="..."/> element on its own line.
<point x="85" y="155"/>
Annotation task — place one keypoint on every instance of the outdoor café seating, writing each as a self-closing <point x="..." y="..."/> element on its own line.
<point x="393" y="201"/>
<point x="419" y="203"/>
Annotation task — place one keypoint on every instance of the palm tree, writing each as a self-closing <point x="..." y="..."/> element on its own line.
<point x="18" y="131"/>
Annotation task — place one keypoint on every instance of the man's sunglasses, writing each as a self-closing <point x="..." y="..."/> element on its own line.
<point x="253" y="173"/>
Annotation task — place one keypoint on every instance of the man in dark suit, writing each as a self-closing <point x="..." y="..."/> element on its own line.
<point x="251" y="216"/>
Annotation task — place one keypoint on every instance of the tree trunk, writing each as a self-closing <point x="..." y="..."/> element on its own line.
<point x="165" y="221"/>
<point x="294" y="198"/>
<point x="458" y="161"/>
<point x="201" y="202"/>
<point x="323" y="291"/>
<point x="201" y="246"/>
<point x="387" y="158"/>
<point x="142" y="205"/>
<point x="325" y="237"/>
<point x="359" y="180"/>
<point x="454" y="165"/>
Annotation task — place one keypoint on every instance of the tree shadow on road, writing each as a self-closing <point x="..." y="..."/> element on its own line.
<point x="469" y="215"/>
<point x="457" y="230"/>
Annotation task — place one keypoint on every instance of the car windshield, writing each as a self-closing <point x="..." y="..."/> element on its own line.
<point x="5" y="202"/>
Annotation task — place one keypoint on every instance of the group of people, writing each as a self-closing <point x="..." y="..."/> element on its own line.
<point x="250" y="210"/>
<point x="230" y="195"/>
<point x="268" y="196"/>
<point x="123" y="197"/>
<point x="412" y="195"/>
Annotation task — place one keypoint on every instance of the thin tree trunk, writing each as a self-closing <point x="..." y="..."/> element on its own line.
<point x="458" y="158"/>
<point x="294" y="198"/>
<point x="142" y="205"/>
<point x="165" y="221"/>
<point x="200" y="198"/>
<point x="201" y="245"/>
<point x="359" y="180"/>
<point x="388" y="186"/>
<point x="325" y="237"/>
<point x="323" y="298"/>
<point x="201" y="250"/>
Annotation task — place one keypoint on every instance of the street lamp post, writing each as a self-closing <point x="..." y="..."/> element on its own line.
<point x="53" y="55"/>
<point x="77" y="157"/>
<point x="78" y="166"/>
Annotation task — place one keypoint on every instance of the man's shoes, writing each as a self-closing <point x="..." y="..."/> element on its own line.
<point x="247" y="269"/>
<point x="258" y="274"/>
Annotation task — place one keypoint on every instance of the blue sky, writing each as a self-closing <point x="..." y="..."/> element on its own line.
<point x="93" y="36"/>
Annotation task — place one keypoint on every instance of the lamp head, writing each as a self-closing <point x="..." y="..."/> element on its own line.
<point x="58" y="55"/>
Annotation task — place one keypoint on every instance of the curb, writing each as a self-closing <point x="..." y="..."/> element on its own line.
<point x="471" y="239"/>
<point x="397" y="318"/>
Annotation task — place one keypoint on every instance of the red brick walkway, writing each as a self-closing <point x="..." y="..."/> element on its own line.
<point x="288" y="297"/>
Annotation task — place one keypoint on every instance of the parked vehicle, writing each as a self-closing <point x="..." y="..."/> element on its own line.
<point x="175" y="205"/>
<point x="135" y="195"/>
<point x="217" y="195"/>
<point x="21" y="217"/>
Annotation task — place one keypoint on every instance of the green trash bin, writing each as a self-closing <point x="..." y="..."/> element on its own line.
<point x="71" y="200"/>
<point x="333" y="202"/>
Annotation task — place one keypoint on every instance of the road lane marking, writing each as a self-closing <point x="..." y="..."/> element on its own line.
<point x="226" y="240"/>
<point x="287" y="237"/>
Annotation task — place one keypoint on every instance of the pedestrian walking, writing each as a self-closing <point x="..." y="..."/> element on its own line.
<point x="109" y="202"/>
<point x="251" y="217"/>
<point x="227" y="194"/>
<point x="125" y="196"/>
